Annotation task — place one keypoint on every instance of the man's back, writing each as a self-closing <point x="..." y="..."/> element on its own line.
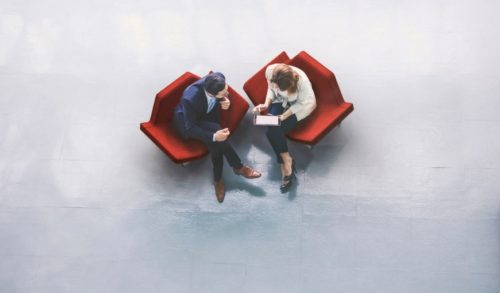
<point x="193" y="98"/>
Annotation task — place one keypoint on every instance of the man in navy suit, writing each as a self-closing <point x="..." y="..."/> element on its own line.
<point x="197" y="116"/>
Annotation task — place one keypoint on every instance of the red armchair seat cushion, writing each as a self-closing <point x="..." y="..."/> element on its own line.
<point x="172" y="144"/>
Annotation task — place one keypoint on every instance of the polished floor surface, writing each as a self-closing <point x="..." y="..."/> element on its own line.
<point x="403" y="197"/>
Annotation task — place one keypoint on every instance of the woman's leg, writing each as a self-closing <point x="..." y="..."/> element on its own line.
<point x="287" y="126"/>
<point x="275" y="135"/>
<point x="277" y="138"/>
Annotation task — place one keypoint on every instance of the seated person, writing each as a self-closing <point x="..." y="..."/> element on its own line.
<point x="197" y="116"/>
<point x="291" y="97"/>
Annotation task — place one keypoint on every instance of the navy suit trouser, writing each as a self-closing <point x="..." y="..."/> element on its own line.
<point x="217" y="149"/>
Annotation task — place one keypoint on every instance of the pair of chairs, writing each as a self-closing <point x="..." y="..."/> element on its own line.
<point x="330" y="111"/>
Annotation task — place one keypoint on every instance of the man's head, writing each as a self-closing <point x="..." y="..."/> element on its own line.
<point x="215" y="85"/>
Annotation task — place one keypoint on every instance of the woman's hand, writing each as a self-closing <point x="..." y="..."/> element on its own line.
<point x="259" y="108"/>
<point x="285" y="115"/>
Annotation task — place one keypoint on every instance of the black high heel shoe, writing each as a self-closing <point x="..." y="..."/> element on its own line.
<point x="284" y="187"/>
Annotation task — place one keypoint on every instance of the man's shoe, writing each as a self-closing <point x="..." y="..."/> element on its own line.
<point x="220" y="190"/>
<point x="247" y="172"/>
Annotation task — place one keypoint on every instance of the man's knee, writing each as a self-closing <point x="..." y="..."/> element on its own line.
<point x="219" y="145"/>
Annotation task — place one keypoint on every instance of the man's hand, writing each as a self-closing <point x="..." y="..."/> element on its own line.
<point x="225" y="103"/>
<point x="259" y="108"/>
<point x="221" y="135"/>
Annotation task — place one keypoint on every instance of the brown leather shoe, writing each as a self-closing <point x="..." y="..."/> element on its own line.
<point x="247" y="172"/>
<point x="220" y="190"/>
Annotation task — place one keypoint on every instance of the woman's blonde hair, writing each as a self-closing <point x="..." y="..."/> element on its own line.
<point x="285" y="78"/>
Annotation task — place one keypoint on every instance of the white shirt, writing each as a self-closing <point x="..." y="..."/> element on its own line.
<point x="210" y="101"/>
<point x="301" y="103"/>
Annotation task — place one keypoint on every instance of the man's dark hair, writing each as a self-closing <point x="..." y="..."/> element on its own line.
<point x="214" y="83"/>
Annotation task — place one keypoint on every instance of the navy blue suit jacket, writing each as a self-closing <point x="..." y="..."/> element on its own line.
<point x="192" y="109"/>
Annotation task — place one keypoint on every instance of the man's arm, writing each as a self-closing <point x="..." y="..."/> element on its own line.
<point x="191" y="124"/>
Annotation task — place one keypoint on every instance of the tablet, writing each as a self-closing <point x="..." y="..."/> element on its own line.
<point x="267" y="120"/>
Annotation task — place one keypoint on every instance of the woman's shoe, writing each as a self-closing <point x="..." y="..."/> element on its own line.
<point x="288" y="180"/>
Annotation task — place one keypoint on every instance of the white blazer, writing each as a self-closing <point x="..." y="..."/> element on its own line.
<point x="302" y="103"/>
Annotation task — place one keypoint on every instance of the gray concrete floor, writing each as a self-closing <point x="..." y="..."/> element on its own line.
<point x="403" y="197"/>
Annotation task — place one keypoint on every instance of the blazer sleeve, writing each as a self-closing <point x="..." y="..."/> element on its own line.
<point x="269" y="74"/>
<point x="306" y="101"/>
<point x="191" y="123"/>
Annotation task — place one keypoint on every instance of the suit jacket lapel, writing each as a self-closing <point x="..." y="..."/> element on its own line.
<point x="203" y="97"/>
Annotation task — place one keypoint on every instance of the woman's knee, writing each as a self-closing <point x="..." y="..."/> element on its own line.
<point x="275" y="109"/>
<point x="273" y="131"/>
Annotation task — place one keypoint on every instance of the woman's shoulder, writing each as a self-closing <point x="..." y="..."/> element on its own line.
<point x="303" y="82"/>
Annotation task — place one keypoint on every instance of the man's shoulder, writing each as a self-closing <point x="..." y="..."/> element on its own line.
<point x="193" y="91"/>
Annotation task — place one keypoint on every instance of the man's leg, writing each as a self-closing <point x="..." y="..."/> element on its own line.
<point x="216" y="149"/>
<point x="231" y="156"/>
<point x="217" y="161"/>
<point x="220" y="149"/>
<point x="223" y="146"/>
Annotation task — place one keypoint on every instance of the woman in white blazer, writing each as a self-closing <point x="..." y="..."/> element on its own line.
<point x="291" y="97"/>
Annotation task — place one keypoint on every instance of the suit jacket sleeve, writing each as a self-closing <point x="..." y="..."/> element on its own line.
<point x="191" y="119"/>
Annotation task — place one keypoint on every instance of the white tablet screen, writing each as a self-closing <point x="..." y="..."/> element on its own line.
<point x="267" y="120"/>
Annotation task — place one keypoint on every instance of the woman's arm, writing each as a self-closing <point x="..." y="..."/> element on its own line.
<point x="306" y="101"/>
<point x="270" y="93"/>
<point x="286" y="114"/>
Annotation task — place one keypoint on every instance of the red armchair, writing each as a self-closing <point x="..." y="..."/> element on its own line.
<point x="331" y="108"/>
<point x="160" y="128"/>
<point x="256" y="86"/>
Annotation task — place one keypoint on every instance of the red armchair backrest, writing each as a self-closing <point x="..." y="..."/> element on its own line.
<point x="169" y="97"/>
<point x="256" y="86"/>
<point x="231" y="118"/>
<point x="323" y="80"/>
